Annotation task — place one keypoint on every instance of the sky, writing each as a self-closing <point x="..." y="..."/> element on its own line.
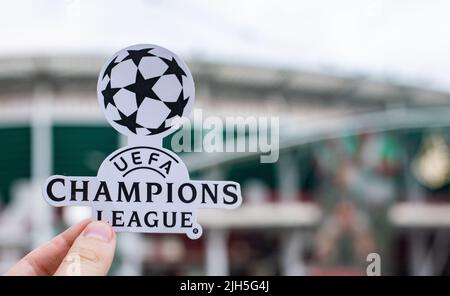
<point x="402" y="41"/>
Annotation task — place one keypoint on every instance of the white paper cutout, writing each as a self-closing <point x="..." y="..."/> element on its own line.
<point x="143" y="91"/>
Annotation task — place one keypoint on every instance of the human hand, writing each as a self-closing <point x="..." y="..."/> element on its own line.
<point x="86" y="248"/>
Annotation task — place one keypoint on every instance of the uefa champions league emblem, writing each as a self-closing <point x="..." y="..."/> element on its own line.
<point x="144" y="91"/>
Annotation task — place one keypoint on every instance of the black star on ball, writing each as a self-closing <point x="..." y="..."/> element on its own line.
<point x="159" y="129"/>
<point x="108" y="95"/>
<point x="143" y="88"/>
<point x="110" y="67"/>
<point x="128" y="121"/>
<point x="137" y="55"/>
<point x="174" y="69"/>
<point x="177" y="108"/>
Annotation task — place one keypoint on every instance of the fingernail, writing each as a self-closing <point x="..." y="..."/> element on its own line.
<point x="98" y="230"/>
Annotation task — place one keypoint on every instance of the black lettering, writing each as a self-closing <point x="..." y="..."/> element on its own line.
<point x="103" y="190"/>
<point x="153" y="157"/>
<point x="169" y="192"/>
<point x="125" y="165"/>
<point x="99" y="215"/>
<point x="166" y="166"/>
<point x="117" y="219"/>
<point x="129" y="194"/>
<point x="230" y="194"/>
<point x="134" y="219"/>
<point x="185" y="218"/>
<point x="212" y="196"/>
<point x="50" y="192"/>
<point x="136" y="157"/>
<point x="166" y="219"/>
<point x="147" y="222"/>
<point x="150" y="191"/>
<point x="181" y="194"/>
<point x="74" y="190"/>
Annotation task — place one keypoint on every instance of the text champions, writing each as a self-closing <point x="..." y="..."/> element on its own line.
<point x="132" y="205"/>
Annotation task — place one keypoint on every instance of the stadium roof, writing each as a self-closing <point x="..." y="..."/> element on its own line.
<point x="230" y="81"/>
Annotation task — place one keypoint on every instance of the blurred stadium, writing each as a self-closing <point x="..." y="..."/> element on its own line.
<point x="364" y="162"/>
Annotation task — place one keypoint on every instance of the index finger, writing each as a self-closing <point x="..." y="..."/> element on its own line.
<point x="46" y="259"/>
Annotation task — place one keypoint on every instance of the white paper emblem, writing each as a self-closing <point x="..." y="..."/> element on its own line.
<point x="143" y="91"/>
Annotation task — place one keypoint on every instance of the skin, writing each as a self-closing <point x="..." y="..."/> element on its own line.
<point x="86" y="248"/>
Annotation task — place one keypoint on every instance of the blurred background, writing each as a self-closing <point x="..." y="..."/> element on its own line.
<point x="362" y="90"/>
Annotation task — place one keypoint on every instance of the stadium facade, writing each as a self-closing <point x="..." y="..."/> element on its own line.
<point x="350" y="149"/>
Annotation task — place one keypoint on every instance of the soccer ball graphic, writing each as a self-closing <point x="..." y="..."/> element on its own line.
<point x="144" y="89"/>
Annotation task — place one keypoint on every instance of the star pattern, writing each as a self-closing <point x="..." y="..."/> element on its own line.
<point x="143" y="88"/>
<point x="158" y="130"/>
<point x="177" y="108"/>
<point x="110" y="67"/>
<point x="137" y="55"/>
<point x="174" y="69"/>
<point x="128" y="121"/>
<point x="108" y="95"/>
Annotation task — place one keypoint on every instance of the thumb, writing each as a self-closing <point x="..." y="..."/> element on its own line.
<point x="92" y="251"/>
